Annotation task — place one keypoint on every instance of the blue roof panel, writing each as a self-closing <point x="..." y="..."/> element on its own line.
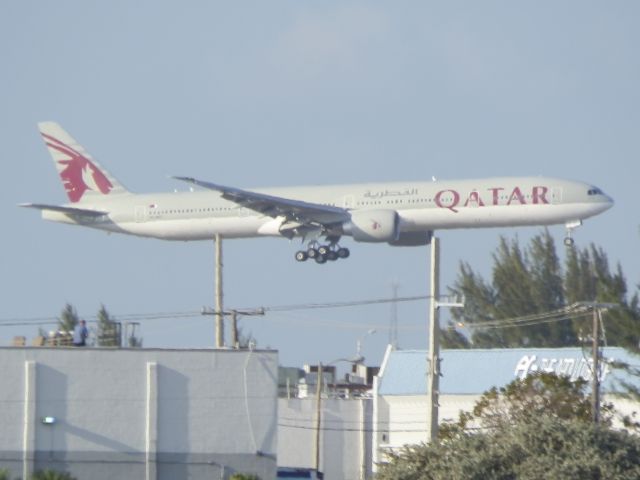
<point x="476" y="371"/>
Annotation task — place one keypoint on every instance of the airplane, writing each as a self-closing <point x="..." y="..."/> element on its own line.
<point x="396" y="213"/>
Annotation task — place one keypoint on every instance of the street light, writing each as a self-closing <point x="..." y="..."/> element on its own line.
<point x="359" y="358"/>
<point x="318" y="423"/>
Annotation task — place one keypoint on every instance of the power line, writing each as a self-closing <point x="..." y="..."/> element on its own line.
<point x="36" y="321"/>
<point x="350" y="429"/>
<point x="564" y="313"/>
<point x="16" y="321"/>
<point x="355" y="303"/>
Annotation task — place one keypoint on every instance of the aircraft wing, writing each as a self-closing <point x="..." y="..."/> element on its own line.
<point x="273" y="206"/>
<point x="68" y="210"/>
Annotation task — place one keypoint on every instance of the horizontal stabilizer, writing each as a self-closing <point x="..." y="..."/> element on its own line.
<point x="68" y="210"/>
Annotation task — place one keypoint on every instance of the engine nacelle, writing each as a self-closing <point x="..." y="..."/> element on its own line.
<point x="373" y="226"/>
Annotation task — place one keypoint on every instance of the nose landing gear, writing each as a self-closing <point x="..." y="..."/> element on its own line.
<point x="568" y="240"/>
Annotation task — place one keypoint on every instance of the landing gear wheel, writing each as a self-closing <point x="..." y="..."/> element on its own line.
<point x="322" y="253"/>
<point x="569" y="242"/>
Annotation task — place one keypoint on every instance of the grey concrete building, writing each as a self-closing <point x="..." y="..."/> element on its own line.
<point x="139" y="413"/>
<point x="342" y="447"/>
<point x="355" y="435"/>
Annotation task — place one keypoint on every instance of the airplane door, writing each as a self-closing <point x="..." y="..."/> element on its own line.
<point x="348" y="201"/>
<point x="141" y="214"/>
<point x="556" y="195"/>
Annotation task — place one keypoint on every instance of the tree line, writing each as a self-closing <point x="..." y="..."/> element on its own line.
<point x="532" y="280"/>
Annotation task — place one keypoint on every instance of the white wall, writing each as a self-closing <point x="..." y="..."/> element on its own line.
<point x="138" y="413"/>
<point x="401" y="419"/>
<point x="345" y="441"/>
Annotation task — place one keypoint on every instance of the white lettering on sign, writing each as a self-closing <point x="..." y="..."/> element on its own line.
<point x="573" y="368"/>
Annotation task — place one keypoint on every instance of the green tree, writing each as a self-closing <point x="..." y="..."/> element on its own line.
<point x="67" y="322"/>
<point x="450" y="337"/>
<point x="523" y="400"/>
<point x="524" y="282"/>
<point x="108" y="329"/>
<point x="68" y="318"/>
<point x="630" y="389"/>
<point x="547" y="285"/>
<point x="539" y="427"/>
<point x="532" y="281"/>
<point x="589" y="278"/>
<point x="479" y="298"/>
<point x="51" y="475"/>
<point x="545" y="448"/>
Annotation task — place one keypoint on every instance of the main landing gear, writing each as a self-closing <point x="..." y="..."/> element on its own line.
<point x="322" y="253"/>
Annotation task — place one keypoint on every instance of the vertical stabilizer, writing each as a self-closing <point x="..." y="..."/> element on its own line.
<point x="82" y="177"/>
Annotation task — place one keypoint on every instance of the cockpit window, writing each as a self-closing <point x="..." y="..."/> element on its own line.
<point x="594" y="191"/>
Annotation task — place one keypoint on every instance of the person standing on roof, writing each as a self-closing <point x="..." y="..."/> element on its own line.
<point x="80" y="334"/>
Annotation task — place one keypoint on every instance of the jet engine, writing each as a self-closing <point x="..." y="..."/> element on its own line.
<point x="373" y="226"/>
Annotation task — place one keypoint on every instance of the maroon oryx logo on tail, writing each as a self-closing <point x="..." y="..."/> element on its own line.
<point x="78" y="174"/>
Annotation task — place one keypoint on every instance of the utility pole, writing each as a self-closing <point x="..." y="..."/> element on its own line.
<point x="318" y="417"/>
<point x="234" y="329"/>
<point x="595" y="353"/>
<point x="434" y="344"/>
<point x="218" y="294"/>
<point x="234" y="314"/>
<point x="433" y="384"/>
<point x="235" y="341"/>
<point x="595" y="381"/>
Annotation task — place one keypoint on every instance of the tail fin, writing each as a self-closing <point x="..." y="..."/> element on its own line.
<point x="83" y="178"/>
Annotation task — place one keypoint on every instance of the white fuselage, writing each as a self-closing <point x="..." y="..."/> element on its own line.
<point x="421" y="206"/>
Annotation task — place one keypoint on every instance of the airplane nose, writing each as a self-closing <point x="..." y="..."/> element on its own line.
<point x="609" y="201"/>
<point x="606" y="203"/>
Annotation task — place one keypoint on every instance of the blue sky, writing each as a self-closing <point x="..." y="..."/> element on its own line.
<point x="257" y="94"/>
